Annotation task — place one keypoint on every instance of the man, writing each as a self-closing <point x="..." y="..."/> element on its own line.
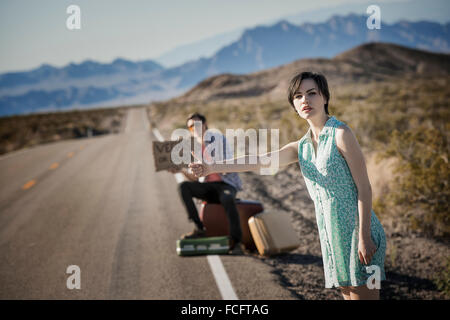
<point x="215" y="188"/>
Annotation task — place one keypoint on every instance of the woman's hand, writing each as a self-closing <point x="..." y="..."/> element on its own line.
<point x="366" y="250"/>
<point x="200" y="169"/>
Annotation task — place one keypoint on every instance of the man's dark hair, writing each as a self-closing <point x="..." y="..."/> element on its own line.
<point x="318" y="78"/>
<point x="196" y="115"/>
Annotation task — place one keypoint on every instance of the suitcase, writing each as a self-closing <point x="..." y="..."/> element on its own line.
<point x="199" y="246"/>
<point x="215" y="219"/>
<point x="273" y="233"/>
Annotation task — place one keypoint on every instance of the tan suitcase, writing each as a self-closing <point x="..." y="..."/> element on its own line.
<point x="273" y="233"/>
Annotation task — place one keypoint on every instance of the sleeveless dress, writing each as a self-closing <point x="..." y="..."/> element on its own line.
<point x="332" y="188"/>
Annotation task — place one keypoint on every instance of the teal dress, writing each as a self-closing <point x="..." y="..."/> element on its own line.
<point x="331" y="187"/>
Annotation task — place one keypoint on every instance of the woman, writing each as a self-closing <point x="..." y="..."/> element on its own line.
<point x="333" y="166"/>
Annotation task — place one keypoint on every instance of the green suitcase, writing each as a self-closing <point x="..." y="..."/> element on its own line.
<point x="210" y="245"/>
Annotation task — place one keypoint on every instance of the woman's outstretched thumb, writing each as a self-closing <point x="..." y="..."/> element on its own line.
<point x="196" y="158"/>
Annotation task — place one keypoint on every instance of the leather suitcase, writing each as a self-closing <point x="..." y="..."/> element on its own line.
<point x="215" y="219"/>
<point x="273" y="233"/>
<point x="193" y="247"/>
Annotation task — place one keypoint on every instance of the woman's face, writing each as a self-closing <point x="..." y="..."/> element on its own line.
<point x="308" y="101"/>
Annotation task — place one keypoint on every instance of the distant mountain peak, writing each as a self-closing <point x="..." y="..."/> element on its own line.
<point x="284" y="25"/>
<point x="121" y="61"/>
<point x="45" y="66"/>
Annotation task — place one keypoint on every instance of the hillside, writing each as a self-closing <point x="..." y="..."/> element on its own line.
<point x="365" y="63"/>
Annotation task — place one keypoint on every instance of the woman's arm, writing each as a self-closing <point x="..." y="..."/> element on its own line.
<point x="349" y="147"/>
<point x="286" y="155"/>
<point x="185" y="172"/>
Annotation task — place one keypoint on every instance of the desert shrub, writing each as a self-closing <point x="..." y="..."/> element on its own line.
<point x="22" y="131"/>
<point x="420" y="192"/>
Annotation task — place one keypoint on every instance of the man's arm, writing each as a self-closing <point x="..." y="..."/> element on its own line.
<point x="185" y="172"/>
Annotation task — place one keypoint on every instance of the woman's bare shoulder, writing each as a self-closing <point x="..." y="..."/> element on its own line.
<point x="345" y="139"/>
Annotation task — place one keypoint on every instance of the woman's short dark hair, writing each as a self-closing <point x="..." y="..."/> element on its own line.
<point x="196" y="115"/>
<point x="318" y="78"/>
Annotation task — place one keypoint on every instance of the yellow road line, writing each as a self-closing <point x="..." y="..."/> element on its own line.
<point x="29" y="184"/>
<point x="54" y="165"/>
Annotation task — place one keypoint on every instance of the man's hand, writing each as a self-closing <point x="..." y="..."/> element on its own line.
<point x="174" y="170"/>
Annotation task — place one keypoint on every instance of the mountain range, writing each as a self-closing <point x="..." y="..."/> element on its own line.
<point x="93" y="84"/>
<point x="392" y="12"/>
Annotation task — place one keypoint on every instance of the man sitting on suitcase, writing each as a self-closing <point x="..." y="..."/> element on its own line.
<point x="215" y="188"/>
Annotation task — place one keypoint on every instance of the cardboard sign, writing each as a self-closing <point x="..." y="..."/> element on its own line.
<point x="161" y="154"/>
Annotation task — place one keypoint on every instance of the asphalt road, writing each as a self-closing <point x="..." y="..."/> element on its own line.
<point x="98" y="203"/>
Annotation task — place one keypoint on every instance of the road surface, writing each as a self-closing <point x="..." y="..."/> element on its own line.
<point x="98" y="203"/>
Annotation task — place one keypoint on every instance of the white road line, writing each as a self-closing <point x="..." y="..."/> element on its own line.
<point x="127" y="122"/>
<point x="157" y="134"/>
<point x="221" y="277"/>
<point x="179" y="177"/>
<point x="145" y="120"/>
<point x="217" y="268"/>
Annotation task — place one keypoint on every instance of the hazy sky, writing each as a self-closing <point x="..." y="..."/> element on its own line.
<point x="34" y="32"/>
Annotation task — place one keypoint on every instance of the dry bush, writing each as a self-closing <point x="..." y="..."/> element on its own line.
<point x="24" y="131"/>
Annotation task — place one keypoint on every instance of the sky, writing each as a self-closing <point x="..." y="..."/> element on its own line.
<point x="35" y="32"/>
